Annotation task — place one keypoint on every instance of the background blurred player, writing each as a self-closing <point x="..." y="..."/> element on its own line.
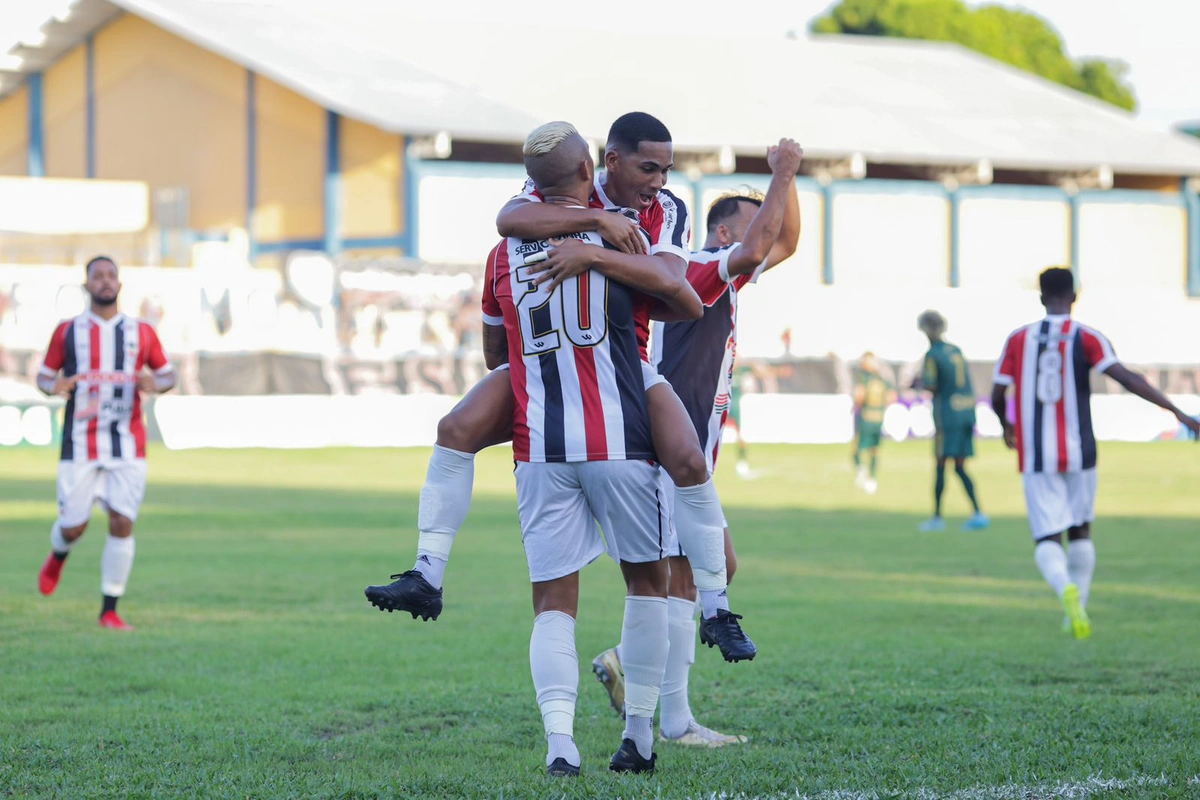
<point x="743" y="377"/>
<point x="747" y="235"/>
<point x="1048" y="364"/>
<point x="584" y="457"/>
<point x="946" y="377"/>
<point x="102" y="356"/>
<point x="872" y="395"/>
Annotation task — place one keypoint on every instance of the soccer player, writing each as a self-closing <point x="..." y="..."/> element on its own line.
<point x="1048" y="364"/>
<point x="747" y="235"/>
<point x="584" y="457"/>
<point x="638" y="157"/>
<point x="872" y="395"/>
<point x="945" y="376"/>
<point x="103" y="357"/>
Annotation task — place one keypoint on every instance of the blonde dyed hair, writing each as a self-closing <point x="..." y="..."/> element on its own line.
<point x="545" y="138"/>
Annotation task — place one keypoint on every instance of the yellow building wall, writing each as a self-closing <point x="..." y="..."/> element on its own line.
<point x="372" y="171"/>
<point x="174" y="115"/>
<point x="64" y="103"/>
<point x="14" y="133"/>
<point x="291" y="165"/>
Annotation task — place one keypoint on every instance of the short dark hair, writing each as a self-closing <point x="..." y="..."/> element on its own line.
<point x="87" y="268"/>
<point x="631" y="129"/>
<point x="727" y="205"/>
<point x="1057" y="282"/>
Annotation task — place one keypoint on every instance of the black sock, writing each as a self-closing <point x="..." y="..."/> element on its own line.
<point x="969" y="485"/>
<point x="61" y="556"/>
<point x="939" y="486"/>
<point x="110" y="604"/>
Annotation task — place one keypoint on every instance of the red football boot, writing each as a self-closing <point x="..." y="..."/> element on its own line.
<point x="110" y="620"/>
<point x="48" y="577"/>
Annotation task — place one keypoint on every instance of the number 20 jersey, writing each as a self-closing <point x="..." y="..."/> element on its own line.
<point x="1048" y="363"/>
<point x="574" y="359"/>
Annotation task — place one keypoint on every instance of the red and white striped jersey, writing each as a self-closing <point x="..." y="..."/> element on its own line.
<point x="103" y="417"/>
<point x="697" y="356"/>
<point x="665" y="221"/>
<point x="1049" y="364"/>
<point x="573" y="359"/>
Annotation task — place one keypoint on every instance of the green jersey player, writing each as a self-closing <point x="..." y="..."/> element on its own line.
<point x="872" y="395"/>
<point x="945" y="376"/>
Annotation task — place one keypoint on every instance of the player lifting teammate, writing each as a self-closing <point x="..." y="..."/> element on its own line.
<point x="103" y="357"/>
<point x="946" y="377"/>
<point x="1048" y="365"/>
<point x="638" y="157"/>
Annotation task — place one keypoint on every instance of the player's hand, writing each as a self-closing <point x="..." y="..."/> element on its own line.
<point x="621" y="232"/>
<point x="64" y="385"/>
<point x="566" y="259"/>
<point x="1010" y="436"/>
<point x="145" y="383"/>
<point x="1189" y="422"/>
<point x="785" y="157"/>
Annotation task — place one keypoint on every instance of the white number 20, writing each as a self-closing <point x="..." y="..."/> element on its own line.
<point x="1049" y="377"/>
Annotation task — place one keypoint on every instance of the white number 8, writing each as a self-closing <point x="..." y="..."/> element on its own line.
<point x="1049" y="378"/>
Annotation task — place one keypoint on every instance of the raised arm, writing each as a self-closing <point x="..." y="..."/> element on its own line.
<point x="775" y="230"/>
<point x="1135" y="383"/>
<point x="527" y="219"/>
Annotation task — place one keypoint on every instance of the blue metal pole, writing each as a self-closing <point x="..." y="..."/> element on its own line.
<point x="827" y="255"/>
<point x="1191" y="202"/>
<point x="955" y="199"/>
<point x="36" y="166"/>
<point x="409" y="187"/>
<point x="333" y="183"/>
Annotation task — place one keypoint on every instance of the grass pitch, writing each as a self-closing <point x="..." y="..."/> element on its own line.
<point x="891" y="663"/>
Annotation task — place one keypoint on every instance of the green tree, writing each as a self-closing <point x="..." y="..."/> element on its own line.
<point x="1015" y="37"/>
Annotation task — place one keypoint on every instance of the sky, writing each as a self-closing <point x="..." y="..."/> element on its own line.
<point x="1159" y="39"/>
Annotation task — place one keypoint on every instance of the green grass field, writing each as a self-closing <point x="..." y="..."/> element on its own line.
<point x="891" y="663"/>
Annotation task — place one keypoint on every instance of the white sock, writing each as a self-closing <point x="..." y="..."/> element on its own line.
<point x="115" y="565"/>
<point x="1052" y="561"/>
<point x="712" y="600"/>
<point x="675" y="714"/>
<point x="432" y="568"/>
<point x="554" y="662"/>
<point x="700" y="525"/>
<point x="445" y="500"/>
<point x="644" y="660"/>
<point x="57" y="542"/>
<point x="1081" y="563"/>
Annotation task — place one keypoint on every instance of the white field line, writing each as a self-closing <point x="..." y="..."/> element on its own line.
<point x="1069" y="790"/>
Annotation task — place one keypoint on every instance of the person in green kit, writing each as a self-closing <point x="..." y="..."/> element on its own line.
<point x="872" y="395"/>
<point x="946" y="377"/>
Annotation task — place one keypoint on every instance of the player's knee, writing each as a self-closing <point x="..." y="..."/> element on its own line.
<point x="688" y="468"/>
<point x="73" y="533"/>
<point x="120" y="525"/>
<point x="1079" y="532"/>
<point x="455" y="432"/>
<point x="682" y="583"/>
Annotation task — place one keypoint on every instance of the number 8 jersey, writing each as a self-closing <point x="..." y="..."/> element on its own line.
<point x="1049" y="363"/>
<point x="574" y="359"/>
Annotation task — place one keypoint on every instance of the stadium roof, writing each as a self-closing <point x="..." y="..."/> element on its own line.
<point x="893" y="101"/>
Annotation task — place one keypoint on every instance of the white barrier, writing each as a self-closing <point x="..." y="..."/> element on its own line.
<point x="303" y="421"/>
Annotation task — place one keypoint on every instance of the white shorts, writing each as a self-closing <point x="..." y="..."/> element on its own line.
<point x="559" y="506"/>
<point x="118" y="485"/>
<point x="651" y="376"/>
<point x="1059" y="500"/>
<point x="674" y="548"/>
